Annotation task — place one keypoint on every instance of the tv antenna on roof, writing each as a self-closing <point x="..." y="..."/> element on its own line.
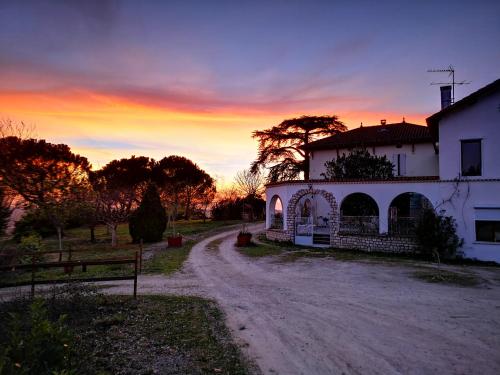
<point x="451" y="73"/>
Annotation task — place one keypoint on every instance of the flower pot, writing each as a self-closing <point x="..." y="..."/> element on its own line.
<point x="244" y="239"/>
<point x="174" y="241"/>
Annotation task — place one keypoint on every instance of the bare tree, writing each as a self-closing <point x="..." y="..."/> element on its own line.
<point x="19" y="129"/>
<point x="249" y="183"/>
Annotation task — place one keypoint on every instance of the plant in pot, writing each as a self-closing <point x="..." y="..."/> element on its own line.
<point x="175" y="240"/>
<point x="244" y="237"/>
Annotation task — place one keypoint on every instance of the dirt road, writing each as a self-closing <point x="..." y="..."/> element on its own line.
<point x="322" y="316"/>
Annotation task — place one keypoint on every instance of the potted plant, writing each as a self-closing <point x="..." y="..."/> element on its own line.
<point x="244" y="237"/>
<point x="175" y="240"/>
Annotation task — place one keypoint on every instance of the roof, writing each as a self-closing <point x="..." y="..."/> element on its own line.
<point x="433" y="121"/>
<point x="378" y="135"/>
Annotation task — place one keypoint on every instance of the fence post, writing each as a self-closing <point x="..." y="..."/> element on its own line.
<point x="135" y="274"/>
<point x="140" y="256"/>
<point x="32" y="275"/>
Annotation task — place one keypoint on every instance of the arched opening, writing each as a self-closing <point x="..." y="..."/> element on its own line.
<point x="405" y="212"/>
<point x="313" y="213"/>
<point x="359" y="215"/>
<point x="276" y="213"/>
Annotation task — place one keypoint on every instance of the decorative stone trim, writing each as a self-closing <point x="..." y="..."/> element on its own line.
<point x="378" y="243"/>
<point x="277" y="235"/>
<point x="292" y="205"/>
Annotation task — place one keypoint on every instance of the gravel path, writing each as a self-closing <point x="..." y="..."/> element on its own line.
<point x="322" y="316"/>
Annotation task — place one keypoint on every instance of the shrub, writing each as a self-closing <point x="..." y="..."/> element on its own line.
<point x="37" y="345"/>
<point x="149" y="221"/>
<point x="359" y="164"/>
<point x="436" y="235"/>
<point x="28" y="246"/>
<point x="33" y="222"/>
<point x="252" y="207"/>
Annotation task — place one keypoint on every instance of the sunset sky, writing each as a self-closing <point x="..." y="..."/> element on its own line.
<point x="116" y="78"/>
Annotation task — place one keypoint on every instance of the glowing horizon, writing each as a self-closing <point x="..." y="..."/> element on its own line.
<point x="115" y="79"/>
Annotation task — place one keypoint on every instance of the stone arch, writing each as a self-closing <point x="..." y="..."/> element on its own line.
<point x="292" y="209"/>
<point x="359" y="214"/>
<point x="405" y="211"/>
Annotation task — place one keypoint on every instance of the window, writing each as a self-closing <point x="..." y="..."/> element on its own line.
<point x="488" y="231"/>
<point x="471" y="157"/>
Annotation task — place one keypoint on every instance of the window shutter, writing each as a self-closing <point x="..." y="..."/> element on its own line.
<point x="402" y="164"/>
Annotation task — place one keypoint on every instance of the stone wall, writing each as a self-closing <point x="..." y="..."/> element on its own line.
<point x="381" y="243"/>
<point x="278" y="235"/>
<point x="369" y="243"/>
<point x="292" y="204"/>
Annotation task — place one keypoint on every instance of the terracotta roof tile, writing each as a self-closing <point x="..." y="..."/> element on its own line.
<point x="379" y="135"/>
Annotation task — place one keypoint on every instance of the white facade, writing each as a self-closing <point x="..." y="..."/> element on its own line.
<point x="473" y="201"/>
<point x="414" y="159"/>
<point x="478" y="121"/>
<point x="465" y="201"/>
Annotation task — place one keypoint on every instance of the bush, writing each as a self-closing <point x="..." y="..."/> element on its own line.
<point x="35" y="221"/>
<point x="359" y="164"/>
<point x="436" y="235"/>
<point x="29" y="245"/>
<point x="149" y="221"/>
<point x="36" y="345"/>
<point x="232" y="209"/>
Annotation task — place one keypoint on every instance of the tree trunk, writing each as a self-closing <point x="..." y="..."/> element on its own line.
<point x="112" y="229"/>
<point x="59" y="237"/>
<point x="92" y="234"/>
<point x="187" y="211"/>
<point x="306" y="157"/>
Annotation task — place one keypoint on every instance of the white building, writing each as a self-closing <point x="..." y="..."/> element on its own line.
<point x="453" y="164"/>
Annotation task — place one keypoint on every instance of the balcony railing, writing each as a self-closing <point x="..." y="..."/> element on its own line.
<point x="359" y="224"/>
<point x="403" y="226"/>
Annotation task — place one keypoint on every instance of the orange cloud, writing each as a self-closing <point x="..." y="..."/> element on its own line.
<point x="102" y="126"/>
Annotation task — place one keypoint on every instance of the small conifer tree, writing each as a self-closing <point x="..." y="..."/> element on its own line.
<point x="149" y="221"/>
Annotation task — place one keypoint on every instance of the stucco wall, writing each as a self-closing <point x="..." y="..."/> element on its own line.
<point x="480" y="120"/>
<point x="421" y="159"/>
<point x="458" y="199"/>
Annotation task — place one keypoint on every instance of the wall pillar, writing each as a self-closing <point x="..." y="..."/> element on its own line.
<point x="383" y="217"/>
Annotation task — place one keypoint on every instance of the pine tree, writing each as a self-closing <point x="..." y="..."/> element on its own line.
<point x="149" y="221"/>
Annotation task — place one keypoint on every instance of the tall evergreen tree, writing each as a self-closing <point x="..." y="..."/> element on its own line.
<point x="281" y="147"/>
<point x="149" y="221"/>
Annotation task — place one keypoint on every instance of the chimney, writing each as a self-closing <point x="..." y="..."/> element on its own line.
<point x="445" y="96"/>
<point x="383" y="122"/>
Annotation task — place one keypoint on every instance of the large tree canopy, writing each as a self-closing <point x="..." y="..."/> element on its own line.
<point x="41" y="172"/>
<point x="118" y="187"/>
<point x="280" y="147"/>
<point x="181" y="182"/>
<point x="48" y="176"/>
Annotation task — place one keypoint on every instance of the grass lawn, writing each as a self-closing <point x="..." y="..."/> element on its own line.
<point x="150" y="335"/>
<point x="166" y="262"/>
<point x="447" y="277"/>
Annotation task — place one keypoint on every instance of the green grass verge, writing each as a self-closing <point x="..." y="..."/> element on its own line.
<point x="165" y="262"/>
<point x="151" y="335"/>
<point x="168" y="260"/>
<point x="447" y="277"/>
<point x="260" y="250"/>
